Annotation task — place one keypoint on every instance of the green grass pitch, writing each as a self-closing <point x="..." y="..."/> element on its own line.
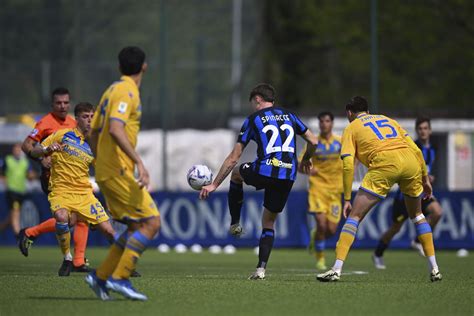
<point x="207" y="284"/>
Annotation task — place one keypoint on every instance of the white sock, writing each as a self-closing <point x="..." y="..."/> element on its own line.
<point x="432" y="262"/>
<point x="68" y="256"/>
<point x="338" y="265"/>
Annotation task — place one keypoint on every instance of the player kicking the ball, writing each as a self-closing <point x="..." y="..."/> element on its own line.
<point x="392" y="157"/>
<point x="274" y="129"/>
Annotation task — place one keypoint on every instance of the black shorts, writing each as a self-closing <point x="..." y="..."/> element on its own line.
<point x="44" y="179"/>
<point x="14" y="197"/>
<point x="399" y="210"/>
<point x="276" y="190"/>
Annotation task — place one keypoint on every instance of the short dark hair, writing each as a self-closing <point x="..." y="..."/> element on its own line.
<point x="422" y="119"/>
<point x="83" y="107"/>
<point x="266" y="91"/>
<point x="131" y="59"/>
<point x="326" y="113"/>
<point x="357" y="104"/>
<point x="59" y="91"/>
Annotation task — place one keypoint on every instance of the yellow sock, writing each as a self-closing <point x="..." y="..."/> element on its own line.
<point x="346" y="238"/>
<point x="319" y="255"/>
<point x="63" y="235"/>
<point x="134" y="248"/>
<point x="126" y="265"/>
<point x="425" y="236"/>
<point x="110" y="263"/>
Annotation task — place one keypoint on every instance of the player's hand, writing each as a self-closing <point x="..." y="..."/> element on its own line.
<point x="53" y="148"/>
<point x="206" y="190"/>
<point x="143" y="179"/>
<point x="347" y="208"/>
<point x="306" y="166"/>
<point x="432" y="178"/>
<point x="427" y="188"/>
<point x="314" y="171"/>
<point x="46" y="162"/>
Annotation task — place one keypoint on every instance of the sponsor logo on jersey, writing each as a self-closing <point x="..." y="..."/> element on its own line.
<point x="34" y="132"/>
<point x="278" y="163"/>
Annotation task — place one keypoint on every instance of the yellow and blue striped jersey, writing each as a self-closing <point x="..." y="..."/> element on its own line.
<point x="70" y="167"/>
<point x="121" y="101"/>
<point x="326" y="160"/>
<point x="370" y="134"/>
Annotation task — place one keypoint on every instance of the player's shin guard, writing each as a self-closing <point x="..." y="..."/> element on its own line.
<point x="346" y="238"/>
<point x="235" y="198"/>
<point x="81" y="233"/>
<point x="425" y="236"/>
<point x="265" y="247"/>
<point x="113" y="257"/>
<point x="136" y="245"/>
<point x="64" y="238"/>
<point x="48" y="226"/>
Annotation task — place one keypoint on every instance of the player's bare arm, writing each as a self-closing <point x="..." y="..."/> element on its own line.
<point x="117" y="131"/>
<point x="40" y="151"/>
<point x="92" y="140"/>
<point x="348" y="177"/>
<point x="27" y="147"/>
<point x="227" y="166"/>
<point x="312" y="142"/>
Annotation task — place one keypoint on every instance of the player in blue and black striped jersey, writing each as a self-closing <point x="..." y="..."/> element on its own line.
<point x="274" y="129"/>
<point x="430" y="207"/>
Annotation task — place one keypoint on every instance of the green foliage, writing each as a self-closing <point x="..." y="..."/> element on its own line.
<point x="318" y="54"/>
<point x="206" y="284"/>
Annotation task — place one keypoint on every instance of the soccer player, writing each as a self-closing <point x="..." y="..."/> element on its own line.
<point x="325" y="187"/>
<point x="70" y="190"/>
<point x="114" y="137"/>
<point x="274" y="129"/>
<point x="16" y="170"/>
<point x="430" y="207"/>
<point x="392" y="157"/>
<point x="57" y="119"/>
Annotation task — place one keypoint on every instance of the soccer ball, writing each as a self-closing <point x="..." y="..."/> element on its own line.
<point x="199" y="176"/>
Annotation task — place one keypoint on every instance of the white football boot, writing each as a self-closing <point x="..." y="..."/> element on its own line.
<point x="329" y="276"/>
<point x="259" y="274"/>
<point x="378" y="262"/>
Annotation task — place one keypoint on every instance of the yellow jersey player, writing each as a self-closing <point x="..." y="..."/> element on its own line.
<point x="114" y="137"/>
<point x="325" y="187"/>
<point x="392" y="157"/>
<point x="69" y="188"/>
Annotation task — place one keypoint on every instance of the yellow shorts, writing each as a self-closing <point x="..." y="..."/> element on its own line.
<point x="326" y="202"/>
<point x="86" y="205"/>
<point x="126" y="201"/>
<point x="395" y="166"/>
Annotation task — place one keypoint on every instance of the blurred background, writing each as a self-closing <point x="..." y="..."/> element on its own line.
<point x="410" y="58"/>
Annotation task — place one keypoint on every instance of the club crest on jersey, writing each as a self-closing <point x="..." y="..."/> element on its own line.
<point x="122" y="107"/>
<point x="278" y="163"/>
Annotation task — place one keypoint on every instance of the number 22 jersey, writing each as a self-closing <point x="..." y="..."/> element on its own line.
<point x="274" y="130"/>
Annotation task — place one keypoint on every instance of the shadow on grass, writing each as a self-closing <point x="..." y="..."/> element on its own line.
<point x="65" y="298"/>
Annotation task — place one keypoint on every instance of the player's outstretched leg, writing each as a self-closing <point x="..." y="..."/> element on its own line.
<point x="27" y="235"/>
<point x="235" y="199"/>
<point x="424" y="234"/>
<point x="136" y="244"/>
<point x="363" y="202"/>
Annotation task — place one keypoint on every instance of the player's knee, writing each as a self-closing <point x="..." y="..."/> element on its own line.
<point x="61" y="216"/>
<point x="153" y="224"/>
<point x="436" y="211"/>
<point x="235" y="176"/>
<point x="331" y="230"/>
<point x="322" y="227"/>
